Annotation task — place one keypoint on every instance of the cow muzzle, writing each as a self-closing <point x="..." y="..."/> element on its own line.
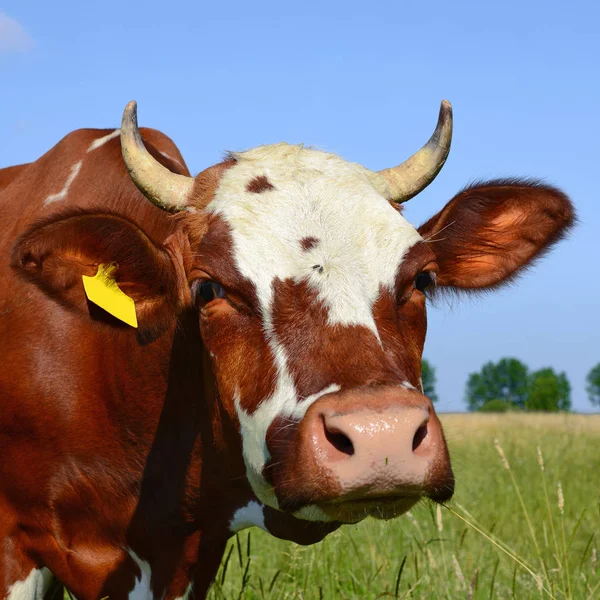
<point x="361" y="452"/>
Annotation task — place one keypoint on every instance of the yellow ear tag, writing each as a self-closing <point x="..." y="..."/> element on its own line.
<point x="102" y="290"/>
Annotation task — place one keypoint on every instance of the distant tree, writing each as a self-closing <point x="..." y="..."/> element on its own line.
<point x="505" y="380"/>
<point x="428" y="380"/>
<point x="497" y="405"/>
<point x="593" y="385"/>
<point x="548" y="391"/>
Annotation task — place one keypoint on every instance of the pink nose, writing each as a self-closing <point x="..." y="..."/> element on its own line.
<point x="392" y="445"/>
<point x="378" y="451"/>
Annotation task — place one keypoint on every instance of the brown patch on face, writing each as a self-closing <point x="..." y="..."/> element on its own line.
<point x="259" y="184"/>
<point x="232" y="330"/>
<point x="319" y="353"/>
<point x="402" y="329"/>
<point x="195" y="221"/>
<point x="308" y="243"/>
<point x="401" y="315"/>
<point x="214" y="256"/>
<point x="206" y="183"/>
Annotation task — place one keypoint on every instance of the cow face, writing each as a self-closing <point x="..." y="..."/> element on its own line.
<point x="311" y="289"/>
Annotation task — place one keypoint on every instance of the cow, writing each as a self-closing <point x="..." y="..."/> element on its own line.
<point x="267" y="372"/>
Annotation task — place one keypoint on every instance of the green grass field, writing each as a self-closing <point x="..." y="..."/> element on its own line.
<point x="431" y="553"/>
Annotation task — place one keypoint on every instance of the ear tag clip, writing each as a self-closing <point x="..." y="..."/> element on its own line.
<point x="102" y="290"/>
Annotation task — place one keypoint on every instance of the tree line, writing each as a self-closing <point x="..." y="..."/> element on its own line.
<point x="510" y="385"/>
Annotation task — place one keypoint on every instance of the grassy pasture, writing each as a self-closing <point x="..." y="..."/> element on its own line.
<point x="431" y="553"/>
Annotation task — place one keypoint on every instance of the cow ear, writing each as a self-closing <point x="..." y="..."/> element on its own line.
<point x="56" y="253"/>
<point x="491" y="231"/>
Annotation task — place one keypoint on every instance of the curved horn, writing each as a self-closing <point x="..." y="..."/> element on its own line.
<point x="416" y="173"/>
<point x="163" y="188"/>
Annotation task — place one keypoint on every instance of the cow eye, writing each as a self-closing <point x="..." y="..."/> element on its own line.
<point x="207" y="291"/>
<point x="424" y="281"/>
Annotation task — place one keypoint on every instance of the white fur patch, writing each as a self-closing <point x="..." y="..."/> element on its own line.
<point x="33" y="587"/>
<point x="142" y="589"/>
<point x="361" y="241"/>
<point x="248" y="516"/>
<point x="361" y="238"/>
<point x="101" y="141"/>
<point x="284" y="402"/>
<point x="65" y="190"/>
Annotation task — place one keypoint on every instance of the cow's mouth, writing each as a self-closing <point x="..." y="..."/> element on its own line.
<point x="378" y="507"/>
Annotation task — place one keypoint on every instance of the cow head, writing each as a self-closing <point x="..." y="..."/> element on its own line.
<point x="310" y="289"/>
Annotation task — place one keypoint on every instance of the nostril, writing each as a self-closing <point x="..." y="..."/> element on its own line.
<point x="420" y="435"/>
<point x="339" y="441"/>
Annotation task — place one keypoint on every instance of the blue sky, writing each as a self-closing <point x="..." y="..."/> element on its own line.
<point x="364" y="80"/>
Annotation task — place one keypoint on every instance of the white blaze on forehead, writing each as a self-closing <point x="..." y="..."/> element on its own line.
<point x="361" y="238"/>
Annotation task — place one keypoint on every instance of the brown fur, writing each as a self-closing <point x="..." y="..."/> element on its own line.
<point x="308" y="243"/>
<point x="9" y="174"/>
<point x="259" y="184"/>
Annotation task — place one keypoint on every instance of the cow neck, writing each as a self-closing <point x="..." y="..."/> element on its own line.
<point x="193" y="476"/>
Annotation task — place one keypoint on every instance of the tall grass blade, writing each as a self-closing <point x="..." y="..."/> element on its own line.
<point x="577" y="525"/>
<point x="512" y="556"/>
<point x="272" y="584"/>
<point x="225" y="564"/>
<point x="494" y="578"/>
<point x="473" y="584"/>
<point x="239" y="549"/>
<point x="399" y="576"/>
<point x="550" y="519"/>
<point x="561" y="508"/>
<point x="587" y="547"/>
<point x="245" y="579"/>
